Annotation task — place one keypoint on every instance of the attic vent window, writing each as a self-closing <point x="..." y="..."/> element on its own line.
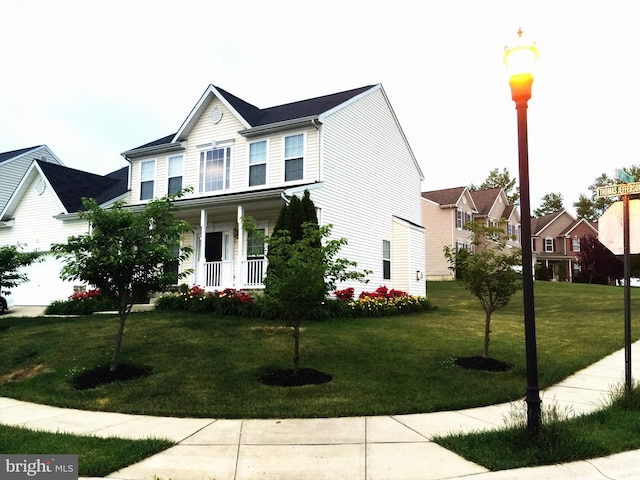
<point x="216" y="115"/>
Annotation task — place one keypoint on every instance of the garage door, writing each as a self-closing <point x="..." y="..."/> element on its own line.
<point x="44" y="285"/>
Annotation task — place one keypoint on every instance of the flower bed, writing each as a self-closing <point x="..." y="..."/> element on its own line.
<point x="195" y="299"/>
<point x="83" y="303"/>
<point x="382" y="302"/>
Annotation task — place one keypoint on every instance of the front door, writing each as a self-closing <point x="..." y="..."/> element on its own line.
<point x="213" y="257"/>
<point x="213" y="249"/>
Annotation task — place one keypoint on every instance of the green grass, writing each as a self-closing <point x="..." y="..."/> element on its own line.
<point x="387" y="365"/>
<point x="97" y="457"/>
<point x="392" y="365"/>
<point x="611" y="430"/>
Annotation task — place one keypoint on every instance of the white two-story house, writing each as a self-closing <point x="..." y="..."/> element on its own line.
<point x="241" y="161"/>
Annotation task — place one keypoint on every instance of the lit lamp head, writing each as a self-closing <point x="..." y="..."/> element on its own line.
<point x="520" y="61"/>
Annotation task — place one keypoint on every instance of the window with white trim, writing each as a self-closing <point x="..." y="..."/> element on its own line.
<point x="174" y="174"/>
<point x="215" y="169"/>
<point x="147" y="179"/>
<point x="459" y="219"/>
<point x="294" y="157"/>
<point x="576" y="244"/>
<point x="386" y="260"/>
<point x="258" y="163"/>
<point x="548" y="245"/>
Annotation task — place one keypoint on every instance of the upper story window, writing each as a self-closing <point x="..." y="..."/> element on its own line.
<point x="548" y="245"/>
<point x="258" y="163"/>
<point x="576" y="244"/>
<point x="215" y="169"/>
<point x="174" y="173"/>
<point x="468" y="216"/>
<point x="294" y="157"/>
<point x="459" y="219"/>
<point x="147" y="179"/>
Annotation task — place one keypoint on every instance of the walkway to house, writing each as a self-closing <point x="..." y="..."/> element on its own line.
<point x="360" y="448"/>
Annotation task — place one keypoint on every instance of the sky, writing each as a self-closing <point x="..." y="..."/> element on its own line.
<point x="93" y="79"/>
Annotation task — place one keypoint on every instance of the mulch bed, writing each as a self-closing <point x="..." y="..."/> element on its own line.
<point x="481" y="363"/>
<point x="102" y="375"/>
<point x="287" y="378"/>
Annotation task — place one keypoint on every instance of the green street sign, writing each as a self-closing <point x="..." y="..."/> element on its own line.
<point x="620" y="189"/>
<point x="623" y="176"/>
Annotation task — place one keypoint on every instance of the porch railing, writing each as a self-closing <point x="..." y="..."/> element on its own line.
<point x="221" y="274"/>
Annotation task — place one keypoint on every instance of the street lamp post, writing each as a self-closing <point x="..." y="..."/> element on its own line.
<point x="520" y="61"/>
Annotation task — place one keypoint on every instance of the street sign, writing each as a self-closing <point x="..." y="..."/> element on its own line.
<point x="620" y="189"/>
<point x="623" y="176"/>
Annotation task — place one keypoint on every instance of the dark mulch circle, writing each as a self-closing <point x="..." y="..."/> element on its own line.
<point x="481" y="363"/>
<point x="102" y="375"/>
<point x="4" y="328"/>
<point x="286" y="378"/>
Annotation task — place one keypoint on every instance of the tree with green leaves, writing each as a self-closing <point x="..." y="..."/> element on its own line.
<point x="12" y="262"/>
<point x="303" y="269"/>
<point x="591" y="208"/>
<point x="551" y="202"/>
<point x="503" y="180"/>
<point x="489" y="271"/>
<point x="126" y="253"/>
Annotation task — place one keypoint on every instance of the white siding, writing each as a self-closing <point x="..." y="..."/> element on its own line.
<point x="12" y="171"/>
<point x="369" y="176"/>
<point x="35" y="228"/>
<point x="204" y="132"/>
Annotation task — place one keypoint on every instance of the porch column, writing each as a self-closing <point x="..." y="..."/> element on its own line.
<point x="241" y="255"/>
<point x="201" y="271"/>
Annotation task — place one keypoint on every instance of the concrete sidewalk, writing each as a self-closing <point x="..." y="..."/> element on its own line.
<point x="362" y="448"/>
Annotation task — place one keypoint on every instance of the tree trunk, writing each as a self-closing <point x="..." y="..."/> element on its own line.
<point x="487" y="332"/>
<point x="296" y="348"/>
<point x="123" y="312"/>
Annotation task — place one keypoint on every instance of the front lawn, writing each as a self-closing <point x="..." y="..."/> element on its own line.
<point x="205" y="366"/>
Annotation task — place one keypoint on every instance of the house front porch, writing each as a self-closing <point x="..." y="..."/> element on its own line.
<point x="225" y="255"/>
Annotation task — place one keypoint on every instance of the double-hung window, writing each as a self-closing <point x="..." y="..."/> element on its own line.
<point x="386" y="260"/>
<point x="548" y="245"/>
<point x="576" y="244"/>
<point x="459" y="219"/>
<point x="215" y="169"/>
<point x="174" y="169"/>
<point x="258" y="163"/>
<point x="294" y="157"/>
<point x="147" y="179"/>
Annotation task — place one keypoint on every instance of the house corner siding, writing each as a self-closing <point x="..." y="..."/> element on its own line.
<point x="369" y="176"/>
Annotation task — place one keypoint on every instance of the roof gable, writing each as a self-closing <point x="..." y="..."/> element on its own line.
<point x="538" y="225"/>
<point x="450" y="197"/>
<point x="6" y="157"/>
<point x="251" y="116"/>
<point x="486" y="199"/>
<point x="71" y="185"/>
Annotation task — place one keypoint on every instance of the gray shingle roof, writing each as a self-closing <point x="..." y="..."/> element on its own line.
<point x="72" y="185"/>
<point x="290" y="111"/>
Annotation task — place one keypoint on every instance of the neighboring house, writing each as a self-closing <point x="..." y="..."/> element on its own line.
<point x="444" y="214"/>
<point x="14" y="164"/>
<point x="493" y="207"/>
<point x="43" y="210"/>
<point x="556" y="243"/>
<point x="347" y="149"/>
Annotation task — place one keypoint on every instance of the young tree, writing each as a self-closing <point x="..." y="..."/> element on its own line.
<point x="126" y="253"/>
<point x="503" y="180"/>
<point x="488" y="272"/>
<point x="303" y="269"/>
<point x="551" y="202"/>
<point x="12" y="260"/>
